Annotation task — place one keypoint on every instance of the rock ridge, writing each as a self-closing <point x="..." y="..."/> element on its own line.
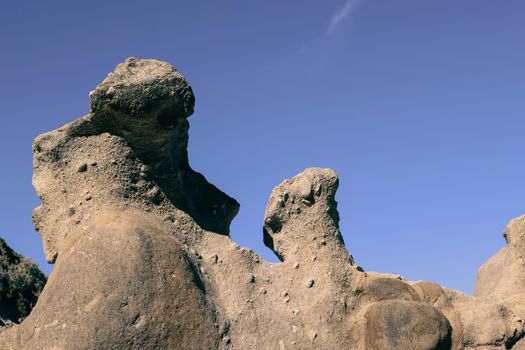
<point x="137" y="234"/>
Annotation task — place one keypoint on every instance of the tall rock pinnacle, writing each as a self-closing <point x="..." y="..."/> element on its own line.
<point x="130" y="149"/>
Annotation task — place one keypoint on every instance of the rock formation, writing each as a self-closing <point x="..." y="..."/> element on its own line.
<point x="144" y="261"/>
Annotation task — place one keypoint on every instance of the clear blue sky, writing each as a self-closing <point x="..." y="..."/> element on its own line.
<point x="418" y="105"/>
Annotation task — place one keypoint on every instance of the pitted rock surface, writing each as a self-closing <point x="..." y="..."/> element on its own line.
<point x="144" y="261"/>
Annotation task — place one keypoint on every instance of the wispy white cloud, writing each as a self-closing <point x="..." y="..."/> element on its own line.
<point x="341" y="15"/>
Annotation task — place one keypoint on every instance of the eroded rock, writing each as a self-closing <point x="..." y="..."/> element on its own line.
<point x="406" y="325"/>
<point x="144" y="261"/>
<point x="504" y="274"/>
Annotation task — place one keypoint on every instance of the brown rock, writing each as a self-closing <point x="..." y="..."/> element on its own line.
<point x="144" y="260"/>
<point x="406" y="325"/>
<point x="127" y="284"/>
<point x="504" y="274"/>
<point x="379" y="289"/>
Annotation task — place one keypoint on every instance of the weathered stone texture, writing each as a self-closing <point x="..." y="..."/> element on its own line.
<point x="144" y="261"/>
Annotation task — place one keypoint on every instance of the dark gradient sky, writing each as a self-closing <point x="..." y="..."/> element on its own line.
<point x="418" y="105"/>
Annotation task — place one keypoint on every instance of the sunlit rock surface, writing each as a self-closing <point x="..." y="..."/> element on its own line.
<point x="144" y="260"/>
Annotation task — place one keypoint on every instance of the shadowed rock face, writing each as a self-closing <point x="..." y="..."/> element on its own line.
<point x="147" y="103"/>
<point x="144" y="261"/>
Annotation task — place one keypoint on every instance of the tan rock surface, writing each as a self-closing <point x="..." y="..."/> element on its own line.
<point x="144" y="261"/>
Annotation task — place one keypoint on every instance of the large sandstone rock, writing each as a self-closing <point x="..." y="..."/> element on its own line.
<point x="131" y="150"/>
<point x="406" y="325"/>
<point x="124" y="284"/>
<point x="504" y="274"/>
<point x="144" y="261"/>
